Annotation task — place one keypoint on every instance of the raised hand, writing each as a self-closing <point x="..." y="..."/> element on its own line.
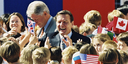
<point x="13" y="31"/>
<point x="79" y="40"/>
<point x="33" y="39"/>
<point x="47" y="44"/>
<point x="68" y="42"/>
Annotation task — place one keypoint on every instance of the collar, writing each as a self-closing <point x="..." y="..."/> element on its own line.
<point x="70" y="34"/>
<point x="49" y="20"/>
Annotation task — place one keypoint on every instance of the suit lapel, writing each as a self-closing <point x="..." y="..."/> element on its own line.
<point x="55" y="39"/>
<point x="49" y="26"/>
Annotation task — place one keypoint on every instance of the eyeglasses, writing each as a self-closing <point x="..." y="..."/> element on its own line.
<point x="30" y="18"/>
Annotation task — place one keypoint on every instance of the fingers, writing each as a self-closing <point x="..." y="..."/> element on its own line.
<point x="26" y="28"/>
<point x="65" y="42"/>
<point x="47" y="44"/>
<point x="47" y="40"/>
<point x="38" y="43"/>
<point x="35" y="32"/>
<point x="79" y="40"/>
<point x="12" y="32"/>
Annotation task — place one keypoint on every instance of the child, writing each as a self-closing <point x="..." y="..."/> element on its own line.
<point x="98" y="41"/>
<point x="123" y="41"/>
<point x="108" y="56"/>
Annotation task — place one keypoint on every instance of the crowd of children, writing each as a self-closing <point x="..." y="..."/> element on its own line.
<point x="108" y="45"/>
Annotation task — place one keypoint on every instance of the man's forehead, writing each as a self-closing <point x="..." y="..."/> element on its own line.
<point x="63" y="17"/>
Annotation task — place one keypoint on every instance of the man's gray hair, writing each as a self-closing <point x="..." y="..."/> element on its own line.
<point x="37" y="7"/>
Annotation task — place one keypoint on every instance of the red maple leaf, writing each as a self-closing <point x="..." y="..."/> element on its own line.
<point x="121" y="23"/>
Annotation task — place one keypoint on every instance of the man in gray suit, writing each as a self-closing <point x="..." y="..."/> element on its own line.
<point x="38" y="12"/>
<point x="64" y="36"/>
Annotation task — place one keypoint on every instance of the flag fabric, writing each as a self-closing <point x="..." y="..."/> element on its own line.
<point x="120" y="25"/>
<point x="110" y="34"/>
<point x="101" y="29"/>
<point x="114" y="38"/>
<point x="89" y="59"/>
<point x="104" y="30"/>
<point x="76" y="58"/>
<point x="31" y="26"/>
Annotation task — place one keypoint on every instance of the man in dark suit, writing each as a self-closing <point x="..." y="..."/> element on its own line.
<point x="39" y="13"/>
<point x="64" y="22"/>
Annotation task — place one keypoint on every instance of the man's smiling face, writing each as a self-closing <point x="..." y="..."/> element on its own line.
<point x="64" y="24"/>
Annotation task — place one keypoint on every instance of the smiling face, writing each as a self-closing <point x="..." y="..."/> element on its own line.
<point x="16" y="23"/>
<point x="64" y="24"/>
<point x="97" y="44"/>
<point x="121" y="45"/>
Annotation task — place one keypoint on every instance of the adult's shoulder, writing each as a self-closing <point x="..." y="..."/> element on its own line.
<point x="76" y="36"/>
<point x="52" y="33"/>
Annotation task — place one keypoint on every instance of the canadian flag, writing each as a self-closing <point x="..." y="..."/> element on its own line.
<point x="120" y="25"/>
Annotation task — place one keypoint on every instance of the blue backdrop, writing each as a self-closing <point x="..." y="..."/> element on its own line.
<point x="20" y="6"/>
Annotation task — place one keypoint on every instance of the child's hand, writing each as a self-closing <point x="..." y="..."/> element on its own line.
<point x="68" y="42"/>
<point x="47" y="44"/>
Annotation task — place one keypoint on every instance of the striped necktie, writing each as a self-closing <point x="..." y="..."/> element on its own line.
<point x="42" y="32"/>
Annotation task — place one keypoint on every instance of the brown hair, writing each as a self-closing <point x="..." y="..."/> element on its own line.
<point x="21" y="18"/>
<point x="88" y="49"/>
<point x="123" y="37"/>
<point x="65" y="12"/>
<point x="10" y="51"/>
<point x="108" y="56"/>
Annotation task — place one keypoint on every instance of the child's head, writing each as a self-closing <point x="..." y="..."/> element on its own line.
<point x="116" y="13"/>
<point x="124" y="56"/>
<point x="98" y="41"/>
<point x="26" y="54"/>
<point x="108" y="56"/>
<point x="55" y="54"/>
<point x="67" y="54"/>
<point x="41" y="55"/>
<point x="10" y="51"/>
<point x="5" y="19"/>
<point x="75" y="28"/>
<point x="86" y="28"/>
<point x="109" y="44"/>
<point x="122" y="41"/>
<point x="88" y="49"/>
<point x="93" y="17"/>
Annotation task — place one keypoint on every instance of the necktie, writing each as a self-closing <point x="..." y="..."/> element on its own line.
<point x="63" y="46"/>
<point x="41" y="34"/>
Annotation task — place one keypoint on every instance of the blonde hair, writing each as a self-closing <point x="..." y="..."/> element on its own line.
<point x="86" y="27"/>
<point x="116" y="13"/>
<point x="109" y="43"/>
<point x="68" y="53"/>
<point x="26" y="54"/>
<point x="92" y="16"/>
<point x="101" y="37"/>
<point x="75" y="28"/>
<point x="41" y="55"/>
